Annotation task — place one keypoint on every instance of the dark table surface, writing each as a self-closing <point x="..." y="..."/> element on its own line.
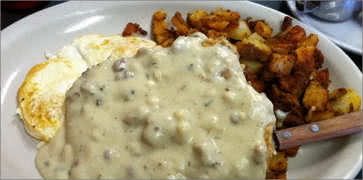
<point x="8" y="17"/>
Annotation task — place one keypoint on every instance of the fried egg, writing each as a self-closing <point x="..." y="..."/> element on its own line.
<point x="42" y="94"/>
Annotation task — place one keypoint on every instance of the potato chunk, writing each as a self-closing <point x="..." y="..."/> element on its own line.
<point x="311" y="40"/>
<point x="345" y="103"/>
<point x="253" y="49"/>
<point x="263" y="29"/>
<point x="182" y="28"/>
<point x="195" y="18"/>
<point x="240" y="33"/>
<point x="278" y="162"/>
<point x="315" y="96"/>
<point x="161" y="34"/>
<point x="281" y="64"/>
<point x="253" y="66"/>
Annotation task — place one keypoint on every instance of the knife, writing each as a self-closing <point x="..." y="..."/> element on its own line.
<point x="317" y="131"/>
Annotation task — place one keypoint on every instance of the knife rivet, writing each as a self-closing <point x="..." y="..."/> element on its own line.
<point x="315" y="128"/>
<point x="286" y="134"/>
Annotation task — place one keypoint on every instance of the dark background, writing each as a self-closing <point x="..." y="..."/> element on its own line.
<point x="11" y="13"/>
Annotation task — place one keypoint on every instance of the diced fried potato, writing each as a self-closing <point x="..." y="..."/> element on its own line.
<point x="258" y="85"/>
<point x="252" y="65"/>
<point x="281" y="64"/>
<point x="349" y="102"/>
<point x="306" y="58"/>
<point x="275" y="175"/>
<point x="294" y="118"/>
<point x="294" y="84"/>
<point x="278" y="162"/>
<point x="280" y="46"/>
<point x="315" y="96"/>
<point x="295" y="34"/>
<point x="133" y="29"/>
<point x="161" y="34"/>
<point x="195" y="18"/>
<point x="319" y="58"/>
<point x="240" y="33"/>
<point x="215" y="22"/>
<point x="322" y="76"/>
<point x="215" y="34"/>
<point x="337" y="93"/>
<point x="227" y="14"/>
<point x="182" y="27"/>
<point x="283" y="100"/>
<point x="263" y="29"/>
<point x="311" y="40"/>
<point x="255" y="36"/>
<point x="253" y="49"/>
<point x="286" y="23"/>
<point x="314" y="116"/>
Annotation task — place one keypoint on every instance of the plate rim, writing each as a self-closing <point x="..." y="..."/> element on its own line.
<point x="15" y="27"/>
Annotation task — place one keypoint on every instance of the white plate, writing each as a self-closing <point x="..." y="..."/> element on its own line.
<point x="347" y="34"/>
<point x="23" y="45"/>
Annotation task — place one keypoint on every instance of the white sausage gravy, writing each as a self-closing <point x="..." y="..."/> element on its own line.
<point x="181" y="112"/>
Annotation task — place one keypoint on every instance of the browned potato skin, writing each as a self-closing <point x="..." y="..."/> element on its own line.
<point x="294" y="118"/>
<point x="278" y="163"/>
<point x="133" y="28"/>
<point x="322" y="76"/>
<point x="294" y="84"/>
<point x="311" y="40"/>
<point x="253" y="49"/>
<point x="315" y="96"/>
<point x="314" y="116"/>
<point x="295" y="34"/>
<point x="182" y="28"/>
<point x="161" y="34"/>
<point x="344" y="101"/>
<point x="286" y="23"/>
<point x="281" y="64"/>
<point x="263" y="29"/>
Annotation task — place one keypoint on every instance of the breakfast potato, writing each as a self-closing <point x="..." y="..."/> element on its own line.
<point x="263" y="29"/>
<point x="195" y="18"/>
<point x="294" y="34"/>
<point x="281" y="46"/>
<point x="294" y="84"/>
<point x="282" y="100"/>
<point x="318" y="116"/>
<point x="182" y="28"/>
<point x="133" y="29"/>
<point x="345" y="101"/>
<point x="161" y="34"/>
<point x="278" y="162"/>
<point x="281" y="64"/>
<point x="337" y="93"/>
<point x="294" y="118"/>
<point x="311" y="40"/>
<point x="252" y="65"/>
<point x="253" y="49"/>
<point x="240" y="33"/>
<point x="275" y="175"/>
<point x="322" y="76"/>
<point x="286" y="23"/>
<point x="315" y="97"/>
<point x="227" y="14"/>
<point x="305" y="59"/>
<point x="215" y="34"/>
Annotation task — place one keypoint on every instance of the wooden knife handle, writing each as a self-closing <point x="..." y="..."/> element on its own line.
<point x="320" y="130"/>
